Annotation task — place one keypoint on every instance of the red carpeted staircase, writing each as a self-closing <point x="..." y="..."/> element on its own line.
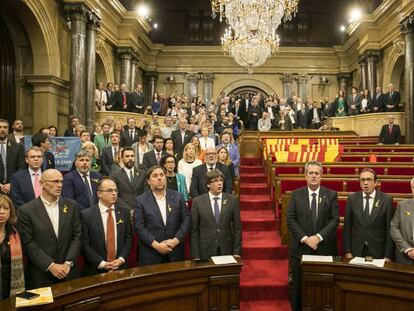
<point x="264" y="278"/>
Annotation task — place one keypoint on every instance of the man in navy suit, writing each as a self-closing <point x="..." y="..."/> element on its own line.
<point x="110" y="153"/>
<point x="181" y="137"/>
<point x="42" y="141"/>
<point x="198" y="178"/>
<point x="392" y="99"/>
<point x="106" y="232"/>
<point x="161" y="221"/>
<point x="390" y="133"/>
<point x="25" y="184"/>
<point x="81" y="183"/>
<point x="154" y="156"/>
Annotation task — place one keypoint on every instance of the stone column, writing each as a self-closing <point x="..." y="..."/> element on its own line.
<point x="303" y="86"/>
<point x="77" y="14"/>
<point x="152" y="77"/>
<point x="372" y="57"/>
<point x="208" y="88"/>
<point x="94" y="22"/>
<point x="133" y="74"/>
<point x="192" y="79"/>
<point x="407" y="28"/>
<point x="287" y="80"/>
<point x="343" y="81"/>
<point x="125" y="57"/>
<point x="363" y="64"/>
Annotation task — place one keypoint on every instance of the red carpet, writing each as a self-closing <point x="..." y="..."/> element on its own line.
<point x="263" y="281"/>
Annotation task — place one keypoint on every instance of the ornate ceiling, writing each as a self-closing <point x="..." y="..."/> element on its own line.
<point x="189" y="22"/>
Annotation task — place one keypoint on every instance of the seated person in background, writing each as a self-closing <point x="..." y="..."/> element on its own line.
<point x="367" y="221"/>
<point x="402" y="230"/>
<point x="11" y="255"/>
<point x="107" y="249"/>
<point x="390" y="133"/>
<point x="264" y="124"/>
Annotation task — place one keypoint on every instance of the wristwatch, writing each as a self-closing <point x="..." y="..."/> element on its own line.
<point x="70" y="264"/>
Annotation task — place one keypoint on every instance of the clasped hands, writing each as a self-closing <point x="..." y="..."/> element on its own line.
<point x="59" y="271"/>
<point x="113" y="265"/>
<point x="312" y="241"/>
<point x="165" y="246"/>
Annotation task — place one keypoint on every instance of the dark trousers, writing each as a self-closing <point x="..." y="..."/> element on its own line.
<point x="295" y="284"/>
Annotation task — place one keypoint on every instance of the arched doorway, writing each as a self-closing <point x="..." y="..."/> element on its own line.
<point x="100" y="71"/>
<point x="397" y="76"/>
<point x="7" y="75"/>
<point x="250" y="91"/>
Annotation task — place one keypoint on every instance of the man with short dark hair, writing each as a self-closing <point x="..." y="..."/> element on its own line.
<point x="392" y="99"/>
<point x="390" y="133"/>
<point x="110" y="154"/>
<point x="138" y="100"/>
<point x="129" y="179"/>
<point x="367" y="220"/>
<point x="84" y="136"/>
<point x="71" y="131"/>
<point x="81" y="183"/>
<point x="312" y="219"/>
<point x="42" y="141"/>
<point x="106" y="250"/>
<point x="181" y="137"/>
<point x="130" y="134"/>
<point x="216" y="225"/>
<point x="154" y="156"/>
<point x="161" y="221"/>
<point x="17" y="136"/>
<point x="102" y="141"/>
<point x="120" y="101"/>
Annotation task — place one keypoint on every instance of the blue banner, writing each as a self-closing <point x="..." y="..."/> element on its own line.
<point x="63" y="148"/>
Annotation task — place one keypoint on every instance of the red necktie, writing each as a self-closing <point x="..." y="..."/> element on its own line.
<point x="110" y="237"/>
<point x="390" y="128"/>
<point x="124" y="105"/>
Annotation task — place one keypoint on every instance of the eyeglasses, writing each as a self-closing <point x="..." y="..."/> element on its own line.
<point x="109" y="190"/>
<point x="211" y="153"/>
<point x="54" y="181"/>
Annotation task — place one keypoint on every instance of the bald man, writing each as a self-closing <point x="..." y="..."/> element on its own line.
<point x="50" y="233"/>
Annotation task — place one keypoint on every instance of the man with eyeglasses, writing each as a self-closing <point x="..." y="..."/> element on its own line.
<point x="367" y="221"/>
<point x="81" y="183"/>
<point x="312" y="219"/>
<point x="50" y="232"/>
<point x="198" y="178"/>
<point x="161" y="221"/>
<point x="216" y="225"/>
<point x="106" y="250"/>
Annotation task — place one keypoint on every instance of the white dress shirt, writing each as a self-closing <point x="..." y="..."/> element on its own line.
<point x="32" y="177"/>
<point x="219" y="201"/>
<point x="52" y="209"/>
<point x="371" y="201"/>
<point x="317" y="208"/>
<point x="128" y="172"/>
<point x="206" y="143"/>
<point x="162" y="205"/>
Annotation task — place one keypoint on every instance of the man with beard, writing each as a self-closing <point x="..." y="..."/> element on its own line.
<point x="154" y="156"/>
<point x="81" y="183"/>
<point x="130" y="180"/>
<point x="17" y="136"/>
<point x="161" y="221"/>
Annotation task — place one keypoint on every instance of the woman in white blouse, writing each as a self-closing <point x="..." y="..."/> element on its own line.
<point x="205" y="141"/>
<point x="187" y="163"/>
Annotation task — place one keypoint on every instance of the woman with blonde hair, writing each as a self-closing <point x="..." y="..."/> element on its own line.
<point x="187" y="163"/>
<point x="224" y="158"/>
<point x="205" y="141"/>
<point x="199" y="152"/>
<point x="11" y="255"/>
<point x="94" y="153"/>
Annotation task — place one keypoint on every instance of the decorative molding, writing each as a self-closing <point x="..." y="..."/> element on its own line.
<point x="94" y="20"/>
<point x="399" y="45"/>
<point x="193" y="77"/>
<point x="302" y="79"/>
<point x="151" y="74"/>
<point x="208" y="77"/>
<point x="100" y="41"/>
<point x="407" y="24"/>
<point x="346" y="77"/>
<point x="372" y="55"/>
<point x="127" y="53"/>
<point x="77" y="11"/>
<point x="287" y="78"/>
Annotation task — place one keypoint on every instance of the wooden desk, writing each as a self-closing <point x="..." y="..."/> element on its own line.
<point x="343" y="287"/>
<point x="183" y="285"/>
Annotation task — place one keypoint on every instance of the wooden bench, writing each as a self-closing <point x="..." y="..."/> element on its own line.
<point x="377" y="148"/>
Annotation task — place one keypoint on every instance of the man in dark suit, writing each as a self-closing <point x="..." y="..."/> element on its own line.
<point x="71" y="131"/>
<point x="378" y="100"/>
<point x="42" y="141"/>
<point x="109" y="154"/>
<point x="354" y="102"/>
<point x="154" y="156"/>
<point x="312" y="219"/>
<point x="11" y="157"/>
<point x="138" y="100"/>
<point x="181" y="137"/>
<point x="390" y="133"/>
<point x="121" y="99"/>
<point x="17" y="136"/>
<point x="130" y="134"/>
<point x="216" y="225"/>
<point x="25" y="184"/>
<point x="109" y="94"/>
<point x="106" y="232"/>
<point x="129" y="180"/>
<point x="302" y="117"/>
<point x="81" y="183"/>
<point x="392" y="99"/>
<point x="367" y="220"/>
<point x="50" y="233"/>
<point x="161" y="221"/>
<point x="198" y="178"/>
<point x="314" y="116"/>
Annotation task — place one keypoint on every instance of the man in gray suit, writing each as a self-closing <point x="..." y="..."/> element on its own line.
<point x="216" y="225"/>
<point x="402" y="230"/>
<point x="129" y="180"/>
<point x="367" y="220"/>
<point x="50" y="233"/>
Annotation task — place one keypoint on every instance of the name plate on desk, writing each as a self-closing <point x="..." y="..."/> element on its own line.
<point x="361" y="261"/>
<point x="316" y="258"/>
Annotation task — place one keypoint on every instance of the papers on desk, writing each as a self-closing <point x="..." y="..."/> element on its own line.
<point x="361" y="261"/>
<point x="45" y="297"/>
<point x="223" y="260"/>
<point x="316" y="258"/>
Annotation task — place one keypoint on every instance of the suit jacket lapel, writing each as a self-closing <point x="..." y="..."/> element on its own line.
<point x="44" y="217"/>
<point x="307" y="206"/>
<point x="155" y="206"/>
<point x="359" y="206"/>
<point x="97" y="219"/>
<point x="118" y="222"/>
<point x="169" y="199"/>
<point x="375" y="207"/>
<point x="210" y="210"/>
<point x="63" y="211"/>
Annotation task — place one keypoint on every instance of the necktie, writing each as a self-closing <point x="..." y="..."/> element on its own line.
<point x="390" y="129"/>
<point x="3" y="158"/>
<point x="131" y="134"/>
<point x="124" y="104"/>
<point x="131" y="176"/>
<point x="88" y="187"/>
<point x="115" y="153"/>
<point x="37" y="188"/>
<point x="211" y="168"/>
<point x="366" y="209"/>
<point x="110" y="237"/>
<point x="158" y="157"/>
<point x="314" y="213"/>
<point x="216" y="210"/>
